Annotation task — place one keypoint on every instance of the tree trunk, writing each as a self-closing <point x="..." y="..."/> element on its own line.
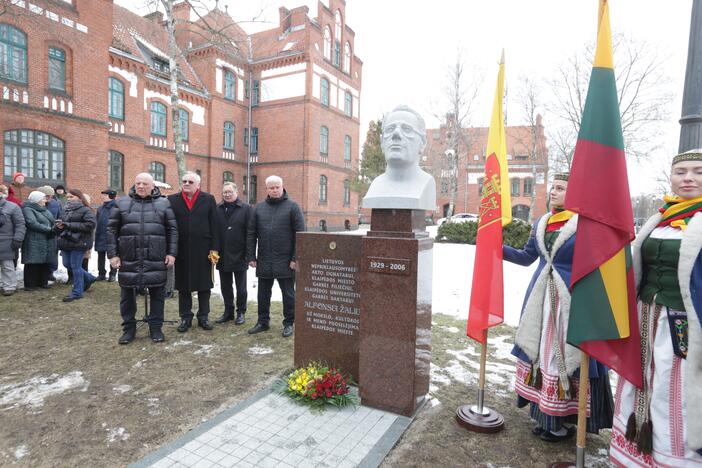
<point x="173" y="74"/>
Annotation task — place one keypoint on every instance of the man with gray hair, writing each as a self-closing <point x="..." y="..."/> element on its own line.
<point x="273" y="226"/>
<point x="233" y="215"/>
<point x="198" y="249"/>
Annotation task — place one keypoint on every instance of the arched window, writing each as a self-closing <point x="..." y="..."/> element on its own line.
<point x="347" y="148"/>
<point x="324" y="140"/>
<point x="158" y="119"/>
<point x="327" y="43"/>
<point x="57" y="69"/>
<point x="229" y="85"/>
<point x="115" y="99"/>
<point x="348" y="103"/>
<point x="337" y="25"/>
<point x="347" y="57"/>
<point x="40" y="156"/>
<point x="13" y="54"/>
<point x="347" y="192"/>
<point x="227" y="176"/>
<point x="183" y="121"/>
<point x="157" y="171"/>
<point x="520" y="212"/>
<point x="115" y="171"/>
<point x="228" y="135"/>
<point x="325" y="92"/>
<point x="322" y="189"/>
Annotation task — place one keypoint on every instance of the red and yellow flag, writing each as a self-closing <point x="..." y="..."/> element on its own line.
<point x="487" y="294"/>
<point x="603" y="318"/>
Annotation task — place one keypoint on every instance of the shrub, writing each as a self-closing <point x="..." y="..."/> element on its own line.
<point x="515" y="234"/>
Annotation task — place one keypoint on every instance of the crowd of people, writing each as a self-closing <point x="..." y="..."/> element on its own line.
<point x="146" y="236"/>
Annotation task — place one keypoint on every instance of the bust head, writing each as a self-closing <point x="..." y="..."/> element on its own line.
<point x="404" y="137"/>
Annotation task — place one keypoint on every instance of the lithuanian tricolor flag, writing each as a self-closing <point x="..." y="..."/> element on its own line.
<point x="487" y="295"/>
<point x="603" y="319"/>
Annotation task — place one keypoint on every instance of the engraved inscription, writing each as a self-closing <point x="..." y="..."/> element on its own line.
<point x="393" y="266"/>
<point x="332" y="296"/>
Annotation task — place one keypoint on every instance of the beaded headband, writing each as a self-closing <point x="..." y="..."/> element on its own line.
<point x="561" y="176"/>
<point x="692" y="155"/>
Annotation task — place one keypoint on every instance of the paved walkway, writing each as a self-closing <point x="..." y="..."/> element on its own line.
<point x="270" y="430"/>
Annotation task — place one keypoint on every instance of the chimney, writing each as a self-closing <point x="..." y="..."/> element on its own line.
<point x="181" y="13"/>
<point x="156" y="17"/>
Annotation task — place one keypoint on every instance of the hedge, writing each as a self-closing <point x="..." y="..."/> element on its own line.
<point x="515" y="234"/>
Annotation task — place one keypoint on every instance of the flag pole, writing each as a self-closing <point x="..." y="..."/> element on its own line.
<point x="481" y="382"/>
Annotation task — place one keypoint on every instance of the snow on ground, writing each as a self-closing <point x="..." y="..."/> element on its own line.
<point x="21" y="452"/>
<point x="34" y="391"/>
<point x="260" y="350"/>
<point x="121" y="389"/>
<point x="115" y="433"/>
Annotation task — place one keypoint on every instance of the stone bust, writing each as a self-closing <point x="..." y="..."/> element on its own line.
<point x="403" y="185"/>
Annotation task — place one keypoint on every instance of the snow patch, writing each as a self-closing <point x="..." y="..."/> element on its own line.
<point x="205" y="349"/>
<point x="139" y="364"/>
<point x="34" y="391"/>
<point x="121" y="389"/>
<point x="116" y="434"/>
<point x="260" y="350"/>
<point x="451" y="329"/>
<point x="182" y="343"/>
<point x="21" y="452"/>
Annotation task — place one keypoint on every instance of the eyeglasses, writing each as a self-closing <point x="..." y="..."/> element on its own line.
<point x="188" y="182"/>
<point x="405" y="129"/>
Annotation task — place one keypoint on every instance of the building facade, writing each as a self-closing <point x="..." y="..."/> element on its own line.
<point x="527" y="158"/>
<point x="86" y="101"/>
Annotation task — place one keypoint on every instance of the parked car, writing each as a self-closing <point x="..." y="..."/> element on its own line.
<point x="459" y="218"/>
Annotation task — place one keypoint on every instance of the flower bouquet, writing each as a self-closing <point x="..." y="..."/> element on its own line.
<point x="317" y="385"/>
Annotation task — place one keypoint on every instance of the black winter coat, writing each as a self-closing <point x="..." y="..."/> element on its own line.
<point x="232" y="256"/>
<point x="198" y="233"/>
<point x="273" y="225"/>
<point x="78" y="226"/>
<point x="141" y="232"/>
<point x="103" y="216"/>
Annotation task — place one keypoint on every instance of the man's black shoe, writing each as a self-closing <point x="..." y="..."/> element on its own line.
<point x="258" y="328"/>
<point x="128" y="336"/>
<point x="112" y="278"/>
<point x="287" y="331"/>
<point x="184" y="325"/>
<point x="239" y="318"/>
<point x="70" y="298"/>
<point x="227" y="316"/>
<point x="548" y="436"/>
<point x="100" y="278"/>
<point x="157" y="336"/>
<point x="204" y="324"/>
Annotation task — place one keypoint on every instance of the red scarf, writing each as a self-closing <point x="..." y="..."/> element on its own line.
<point x="191" y="202"/>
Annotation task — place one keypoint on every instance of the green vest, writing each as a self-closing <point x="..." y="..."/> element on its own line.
<point x="660" y="273"/>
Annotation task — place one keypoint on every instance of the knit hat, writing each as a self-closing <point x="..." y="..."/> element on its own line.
<point x="110" y="193"/>
<point x="36" y="196"/>
<point x="46" y="190"/>
<point x="60" y="187"/>
<point x="17" y="174"/>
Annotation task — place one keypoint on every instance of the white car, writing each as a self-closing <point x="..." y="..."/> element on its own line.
<point x="459" y="218"/>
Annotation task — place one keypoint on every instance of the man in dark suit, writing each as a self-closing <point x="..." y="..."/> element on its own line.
<point x="233" y="216"/>
<point x="198" y="249"/>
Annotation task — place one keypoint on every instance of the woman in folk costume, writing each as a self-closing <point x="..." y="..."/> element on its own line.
<point x="547" y="367"/>
<point x="661" y="424"/>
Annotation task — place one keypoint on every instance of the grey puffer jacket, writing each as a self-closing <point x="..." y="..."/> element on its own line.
<point x="141" y="232"/>
<point x="11" y="228"/>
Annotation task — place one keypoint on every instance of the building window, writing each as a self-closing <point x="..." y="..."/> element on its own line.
<point x="515" y="187"/>
<point x="325" y="92"/>
<point x="324" y="140"/>
<point x="337" y="54"/>
<point x="57" y="69"/>
<point x="254" y="141"/>
<point x="157" y="171"/>
<point x="348" y="103"/>
<point x="13" y="54"/>
<point x="322" y="189"/>
<point x="337" y="25"/>
<point x="158" y="119"/>
<point x="229" y="135"/>
<point x="116" y="171"/>
<point x="40" y="156"/>
<point x="347" y="193"/>
<point x="480" y="187"/>
<point x="246" y="136"/>
<point x="116" y="99"/>
<point x="444" y="185"/>
<point x="520" y="212"/>
<point x="327" y="43"/>
<point x="227" y="176"/>
<point x="256" y="93"/>
<point x="229" y="85"/>
<point x="347" y="57"/>
<point x="252" y="195"/>
<point x="183" y="120"/>
<point x="528" y="186"/>
<point x="347" y="148"/>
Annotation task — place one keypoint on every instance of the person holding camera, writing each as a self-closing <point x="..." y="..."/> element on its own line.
<point x="76" y="237"/>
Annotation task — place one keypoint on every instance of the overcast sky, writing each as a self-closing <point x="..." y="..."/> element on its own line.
<point x="407" y="46"/>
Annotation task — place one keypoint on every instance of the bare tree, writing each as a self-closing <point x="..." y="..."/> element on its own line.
<point x="459" y="95"/>
<point x="640" y="74"/>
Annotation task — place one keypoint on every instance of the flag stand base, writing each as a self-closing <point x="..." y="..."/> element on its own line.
<point x="487" y="422"/>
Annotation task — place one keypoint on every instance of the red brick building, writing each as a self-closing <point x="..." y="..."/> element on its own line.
<point x="527" y="157"/>
<point x="86" y="101"/>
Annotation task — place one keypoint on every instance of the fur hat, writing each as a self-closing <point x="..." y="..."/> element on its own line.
<point x="46" y="190"/>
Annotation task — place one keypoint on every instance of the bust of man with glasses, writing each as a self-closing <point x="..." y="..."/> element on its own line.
<point x="403" y="185"/>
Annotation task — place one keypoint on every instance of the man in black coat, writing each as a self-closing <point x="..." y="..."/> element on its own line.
<point x="103" y="216"/>
<point x="273" y="225"/>
<point x="198" y="247"/>
<point x="142" y="242"/>
<point x="233" y="216"/>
